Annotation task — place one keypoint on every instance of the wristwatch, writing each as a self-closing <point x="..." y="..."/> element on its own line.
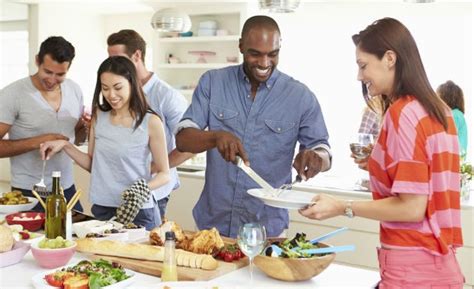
<point x="348" y="209"/>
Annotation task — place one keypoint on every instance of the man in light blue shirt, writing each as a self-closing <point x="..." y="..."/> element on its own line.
<point x="259" y="113"/>
<point x="166" y="101"/>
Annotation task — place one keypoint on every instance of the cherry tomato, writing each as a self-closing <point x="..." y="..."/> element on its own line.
<point x="54" y="280"/>
<point x="228" y="257"/>
<point x="24" y="235"/>
<point x="237" y="254"/>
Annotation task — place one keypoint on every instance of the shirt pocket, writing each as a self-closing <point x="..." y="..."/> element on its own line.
<point x="280" y="136"/>
<point x="223" y="117"/>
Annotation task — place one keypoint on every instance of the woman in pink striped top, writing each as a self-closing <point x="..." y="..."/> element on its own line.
<point x="414" y="166"/>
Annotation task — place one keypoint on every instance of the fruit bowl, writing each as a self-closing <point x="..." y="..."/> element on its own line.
<point x="294" y="269"/>
<point x="31" y="221"/>
<point x="52" y="258"/>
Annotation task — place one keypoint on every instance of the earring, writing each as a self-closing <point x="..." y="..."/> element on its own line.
<point x="101" y="99"/>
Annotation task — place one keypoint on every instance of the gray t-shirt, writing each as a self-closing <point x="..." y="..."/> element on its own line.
<point x="23" y="107"/>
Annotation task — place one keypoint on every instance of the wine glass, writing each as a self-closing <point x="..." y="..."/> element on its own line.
<point x="360" y="145"/>
<point x="251" y="240"/>
<point x="361" y="148"/>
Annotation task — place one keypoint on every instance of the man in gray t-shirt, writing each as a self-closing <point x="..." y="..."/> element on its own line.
<point x="42" y="107"/>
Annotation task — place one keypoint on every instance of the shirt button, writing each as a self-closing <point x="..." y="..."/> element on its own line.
<point x="279" y="129"/>
<point x="221" y="115"/>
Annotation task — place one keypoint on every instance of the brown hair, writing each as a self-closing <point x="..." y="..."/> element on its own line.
<point x="410" y="76"/>
<point x="452" y="94"/>
<point x="131" y="39"/>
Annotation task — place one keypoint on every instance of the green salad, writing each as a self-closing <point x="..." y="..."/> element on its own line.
<point x="101" y="273"/>
<point x="287" y="246"/>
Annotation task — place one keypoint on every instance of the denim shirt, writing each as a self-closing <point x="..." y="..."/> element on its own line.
<point x="170" y="105"/>
<point x="283" y="112"/>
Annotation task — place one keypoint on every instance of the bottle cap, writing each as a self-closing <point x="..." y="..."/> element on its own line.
<point x="56" y="174"/>
<point x="170" y="236"/>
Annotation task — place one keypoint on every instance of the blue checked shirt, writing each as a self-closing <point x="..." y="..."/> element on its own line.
<point x="170" y="105"/>
<point x="283" y="112"/>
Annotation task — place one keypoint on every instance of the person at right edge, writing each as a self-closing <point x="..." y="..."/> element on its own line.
<point x="452" y="94"/>
<point x="413" y="167"/>
<point x="256" y="112"/>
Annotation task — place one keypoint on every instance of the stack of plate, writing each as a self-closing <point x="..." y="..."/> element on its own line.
<point x="207" y="28"/>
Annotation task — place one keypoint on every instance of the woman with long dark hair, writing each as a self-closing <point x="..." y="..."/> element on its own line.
<point x="125" y="137"/>
<point x="414" y="166"/>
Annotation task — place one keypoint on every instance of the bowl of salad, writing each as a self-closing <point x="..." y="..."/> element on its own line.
<point x="292" y="263"/>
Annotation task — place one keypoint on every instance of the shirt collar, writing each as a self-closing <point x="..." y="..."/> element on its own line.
<point x="268" y="84"/>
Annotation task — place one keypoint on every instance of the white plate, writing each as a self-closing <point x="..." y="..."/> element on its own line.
<point x="8" y="209"/>
<point x="289" y="199"/>
<point x="40" y="283"/>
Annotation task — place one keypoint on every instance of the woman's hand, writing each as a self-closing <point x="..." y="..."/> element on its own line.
<point x="50" y="148"/>
<point x="323" y="207"/>
<point x="363" y="163"/>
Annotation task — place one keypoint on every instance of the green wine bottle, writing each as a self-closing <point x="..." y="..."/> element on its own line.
<point x="55" y="210"/>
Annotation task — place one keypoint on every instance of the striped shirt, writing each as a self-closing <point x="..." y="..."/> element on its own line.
<point x="415" y="155"/>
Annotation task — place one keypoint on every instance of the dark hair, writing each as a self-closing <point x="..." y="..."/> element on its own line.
<point x="259" y="21"/>
<point x="58" y="48"/>
<point x="131" y="39"/>
<point x="410" y="76"/>
<point x="120" y="65"/>
<point x="452" y="94"/>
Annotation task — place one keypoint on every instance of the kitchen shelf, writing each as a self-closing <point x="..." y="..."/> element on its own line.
<point x="175" y="58"/>
<point x="195" y="39"/>
<point x="193" y="65"/>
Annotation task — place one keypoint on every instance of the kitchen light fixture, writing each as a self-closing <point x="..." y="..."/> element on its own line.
<point x="171" y="20"/>
<point x="279" y="6"/>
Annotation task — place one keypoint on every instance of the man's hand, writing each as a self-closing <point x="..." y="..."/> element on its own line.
<point x="50" y="137"/>
<point x="229" y="146"/>
<point x="307" y="164"/>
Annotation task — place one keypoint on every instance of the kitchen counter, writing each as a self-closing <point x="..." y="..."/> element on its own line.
<point x="335" y="276"/>
<point x="363" y="233"/>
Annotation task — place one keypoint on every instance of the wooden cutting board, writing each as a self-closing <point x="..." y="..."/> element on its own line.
<point x="184" y="273"/>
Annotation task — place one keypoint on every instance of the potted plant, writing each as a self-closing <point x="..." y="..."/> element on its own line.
<point x="466" y="178"/>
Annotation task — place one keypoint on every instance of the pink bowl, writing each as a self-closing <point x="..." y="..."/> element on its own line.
<point x="52" y="258"/>
<point x="15" y="255"/>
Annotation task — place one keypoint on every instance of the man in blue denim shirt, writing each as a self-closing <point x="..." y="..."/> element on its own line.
<point x="166" y="101"/>
<point x="259" y="113"/>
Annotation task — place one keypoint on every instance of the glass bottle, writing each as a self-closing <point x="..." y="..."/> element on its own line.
<point x="169" y="271"/>
<point x="55" y="223"/>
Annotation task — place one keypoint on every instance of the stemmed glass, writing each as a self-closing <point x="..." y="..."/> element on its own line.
<point x="251" y="240"/>
<point x="361" y="148"/>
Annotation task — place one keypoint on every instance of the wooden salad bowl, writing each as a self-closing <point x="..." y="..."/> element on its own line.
<point x="294" y="269"/>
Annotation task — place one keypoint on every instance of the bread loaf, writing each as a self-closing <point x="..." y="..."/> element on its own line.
<point x="144" y="252"/>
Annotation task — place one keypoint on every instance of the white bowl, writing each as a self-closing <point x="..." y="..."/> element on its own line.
<point x="81" y="229"/>
<point x="8" y="209"/>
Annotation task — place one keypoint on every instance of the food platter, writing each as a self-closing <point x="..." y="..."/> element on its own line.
<point x="288" y="199"/>
<point x="40" y="283"/>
